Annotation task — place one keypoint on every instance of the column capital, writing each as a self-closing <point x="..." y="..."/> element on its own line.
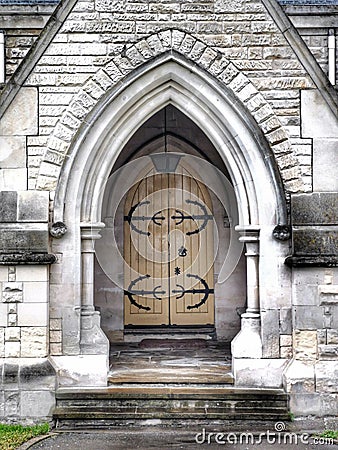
<point x="91" y="230"/>
<point x="248" y="233"/>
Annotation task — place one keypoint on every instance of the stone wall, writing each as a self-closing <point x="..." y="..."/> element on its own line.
<point x="96" y="49"/>
<point x="22" y="24"/>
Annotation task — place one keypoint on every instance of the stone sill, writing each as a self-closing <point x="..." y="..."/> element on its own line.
<point x="26" y="258"/>
<point x="312" y="261"/>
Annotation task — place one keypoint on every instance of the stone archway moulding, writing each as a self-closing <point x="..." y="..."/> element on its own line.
<point x="236" y="136"/>
<point x="143" y="57"/>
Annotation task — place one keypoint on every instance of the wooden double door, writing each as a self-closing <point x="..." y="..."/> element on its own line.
<point x="168" y="252"/>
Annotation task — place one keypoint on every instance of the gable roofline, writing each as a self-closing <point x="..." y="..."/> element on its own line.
<point x="303" y="53"/>
<point x="37" y="50"/>
<point x="276" y="12"/>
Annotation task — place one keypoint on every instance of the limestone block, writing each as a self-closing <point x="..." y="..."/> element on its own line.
<point x="305" y="294"/>
<point x="34" y="342"/>
<point x="8" y="206"/>
<point x="2" y="343"/>
<point x="270" y="333"/>
<point x="32" y="314"/>
<point x="21" y="118"/>
<point x="37" y="403"/>
<point x="33" y="206"/>
<point x="12" y="152"/>
<point x="315" y="240"/>
<point x="35" y="292"/>
<point x="305" y="404"/>
<point x="332" y="336"/>
<point x="55" y="324"/>
<point x="31" y="273"/>
<point x="317" y="119"/>
<point x="3" y="273"/>
<point x="328" y="351"/>
<point x="10" y="374"/>
<point x="285" y="340"/>
<point x="286" y="352"/>
<point x="285" y="320"/>
<point x="2" y="404"/>
<point x="82" y="370"/>
<point x="55" y="336"/>
<point x="12" y="292"/>
<point x="327" y="376"/>
<point x="325" y="156"/>
<point x="24" y="237"/>
<point x="13" y="179"/>
<point x="55" y="349"/>
<point x="12" y="319"/>
<point x="3" y="315"/>
<point x="299" y="377"/>
<point x="12" y="308"/>
<point x="305" y="344"/>
<point x="259" y="372"/>
<point x="12" y="334"/>
<point x="37" y="372"/>
<point x="328" y="294"/>
<point x="315" y="208"/>
<point x="12" y="404"/>
<point x="308" y="317"/>
<point x="12" y="349"/>
<point x="321" y="336"/>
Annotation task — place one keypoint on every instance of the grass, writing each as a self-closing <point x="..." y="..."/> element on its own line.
<point x="12" y="436"/>
<point x="330" y="434"/>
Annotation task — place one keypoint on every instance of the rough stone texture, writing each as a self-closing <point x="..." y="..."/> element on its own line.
<point x="259" y="372"/>
<point x="305" y="345"/>
<point x="23" y="238"/>
<point x="34" y="342"/>
<point x="315" y="209"/>
<point x="315" y="241"/>
<point x="33" y="206"/>
<point x="12" y="292"/>
<point x="327" y="377"/>
<point x="8" y="205"/>
<point x="270" y="333"/>
<point x="299" y="378"/>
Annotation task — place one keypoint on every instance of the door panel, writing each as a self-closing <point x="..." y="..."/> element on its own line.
<point x="168" y="249"/>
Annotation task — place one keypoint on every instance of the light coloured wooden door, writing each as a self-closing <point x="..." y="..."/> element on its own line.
<point x="169" y="252"/>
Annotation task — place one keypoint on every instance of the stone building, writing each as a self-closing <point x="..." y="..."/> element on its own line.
<point x="213" y="122"/>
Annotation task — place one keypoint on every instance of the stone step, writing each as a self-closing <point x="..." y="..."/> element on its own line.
<point x="78" y="407"/>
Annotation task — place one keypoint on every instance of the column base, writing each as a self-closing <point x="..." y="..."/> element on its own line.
<point x="93" y="340"/>
<point x="248" y="342"/>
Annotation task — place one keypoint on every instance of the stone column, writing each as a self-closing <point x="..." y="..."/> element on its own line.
<point x="93" y="340"/>
<point x="248" y="343"/>
<point x="250" y="237"/>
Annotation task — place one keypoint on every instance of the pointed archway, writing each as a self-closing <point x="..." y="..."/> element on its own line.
<point x="244" y="152"/>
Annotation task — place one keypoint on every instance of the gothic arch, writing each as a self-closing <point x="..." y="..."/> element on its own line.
<point x="171" y="79"/>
